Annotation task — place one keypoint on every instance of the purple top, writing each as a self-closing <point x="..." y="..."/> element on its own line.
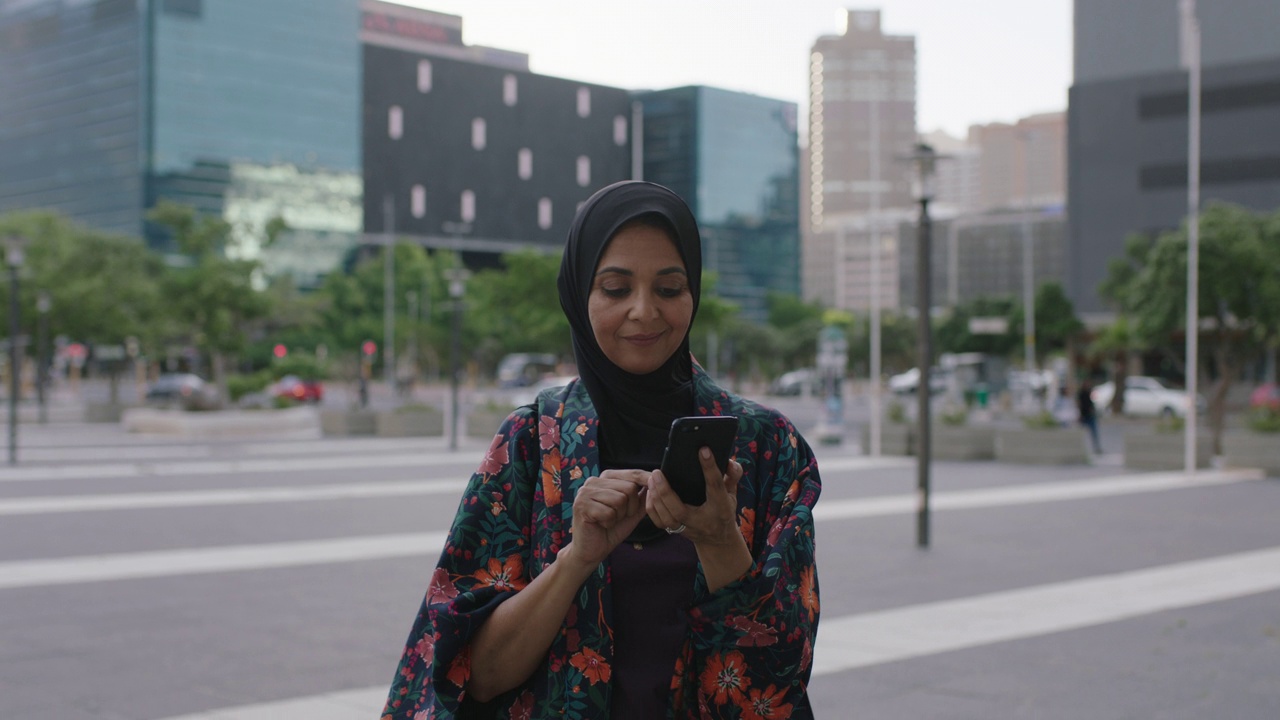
<point x="652" y="589"/>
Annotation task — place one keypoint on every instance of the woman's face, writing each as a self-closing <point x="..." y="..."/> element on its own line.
<point x="640" y="304"/>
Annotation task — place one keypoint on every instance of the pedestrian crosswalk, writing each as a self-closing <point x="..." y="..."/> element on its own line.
<point x="126" y="487"/>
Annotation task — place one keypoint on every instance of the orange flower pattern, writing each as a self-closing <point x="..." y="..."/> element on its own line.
<point x="748" y="651"/>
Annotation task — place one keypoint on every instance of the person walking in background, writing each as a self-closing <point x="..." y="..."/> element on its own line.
<point x="1088" y="413"/>
<point x="574" y="581"/>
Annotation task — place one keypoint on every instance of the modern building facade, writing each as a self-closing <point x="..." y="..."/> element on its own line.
<point x="1128" y="120"/>
<point x="113" y="105"/>
<point x="862" y="116"/>
<point x="734" y="158"/>
<point x="468" y="150"/>
<point x="984" y="255"/>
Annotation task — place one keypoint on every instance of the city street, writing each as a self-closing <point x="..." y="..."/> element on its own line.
<point x="149" y="578"/>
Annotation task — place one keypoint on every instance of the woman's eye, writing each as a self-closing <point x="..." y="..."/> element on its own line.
<point x="671" y="292"/>
<point x="615" y="292"/>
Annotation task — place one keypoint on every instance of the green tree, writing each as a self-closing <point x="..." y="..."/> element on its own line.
<point x="103" y="289"/>
<point x="1239" y="293"/>
<point x="798" y="324"/>
<point x="953" y="335"/>
<point x="1057" y="325"/>
<point x="516" y="308"/>
<point x="210" y="295"/>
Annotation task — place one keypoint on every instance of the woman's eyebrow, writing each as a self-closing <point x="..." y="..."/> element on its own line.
<point x="673" y="270"/>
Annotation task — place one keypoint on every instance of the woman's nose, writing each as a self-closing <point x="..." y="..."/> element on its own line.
<point x="644" y="306"/>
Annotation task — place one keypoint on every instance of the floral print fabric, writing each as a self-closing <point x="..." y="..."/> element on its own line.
<point x="749" y="649"/>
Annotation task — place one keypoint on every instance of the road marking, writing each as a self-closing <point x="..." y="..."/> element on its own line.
<point x="858" y="641"/>
<point x="868" y="639"/>
<point x="212" y="498"/>
<point x="1025" y="494"/>
<point x="826" y="510"/>
<point x="228" y="467"/>
<point x="227" y="558"/>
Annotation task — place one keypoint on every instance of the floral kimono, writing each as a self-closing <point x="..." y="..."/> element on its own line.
<point x="748" y="650"/>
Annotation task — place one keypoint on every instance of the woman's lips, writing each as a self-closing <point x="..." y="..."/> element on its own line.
<point x="643" y="340"/>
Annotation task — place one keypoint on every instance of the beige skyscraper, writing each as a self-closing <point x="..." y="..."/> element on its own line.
<point x="862" y="116"/>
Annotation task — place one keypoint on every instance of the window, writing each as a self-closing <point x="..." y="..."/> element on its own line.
<point x="509" y="90"/>
<point x="468" y="206"/>
<point x="544" y="213"/>
<point x="424" y="76"/>
<point x="584" y="102"/>
<point x="619" y="130"/>
<point x="395" y="122"/>
<point x="524" y="163"/>
<point x="584" y="170"/>
<point x="418" y="201"/>
<point x="477" y="134"/>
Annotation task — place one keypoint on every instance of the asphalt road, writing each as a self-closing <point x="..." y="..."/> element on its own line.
<point x="147" y="578"/>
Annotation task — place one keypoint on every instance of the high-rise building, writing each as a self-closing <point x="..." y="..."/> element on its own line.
<point x="733" y="157"/>
<point x="862" y="117"/>
<point x="469" y="150"/>
<point x="244" y="109"/>
<point x="1021" y="164"/>
<point x="1128" y="117"/>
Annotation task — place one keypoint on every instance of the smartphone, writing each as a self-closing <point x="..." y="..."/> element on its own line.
<point x="681" y="465"/>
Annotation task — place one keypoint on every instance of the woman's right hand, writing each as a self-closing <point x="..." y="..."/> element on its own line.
<point x="605" y="511"/>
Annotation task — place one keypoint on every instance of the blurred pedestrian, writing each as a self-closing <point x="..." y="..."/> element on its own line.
<point x="1088" y="413"/>
<point x="574" y="582"/>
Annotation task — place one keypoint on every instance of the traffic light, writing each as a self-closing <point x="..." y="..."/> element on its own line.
<point x="369" y="347"/>
<point x="279" y="351"/>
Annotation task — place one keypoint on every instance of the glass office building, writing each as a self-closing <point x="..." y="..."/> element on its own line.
<point x="734" y="158"/>
<point x="111" y="105"/>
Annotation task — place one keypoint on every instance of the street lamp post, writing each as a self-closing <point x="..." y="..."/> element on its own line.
<point x="13" y="257"/>
<point x="1191" y="61"/>
<point x="457" y="285"/>
<point x="43" y="304"/>
<point x="925" y="160"/>
<point x="1028" y="264"/>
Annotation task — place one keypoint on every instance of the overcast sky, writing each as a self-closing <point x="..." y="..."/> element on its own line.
<point x="980" y="61"/>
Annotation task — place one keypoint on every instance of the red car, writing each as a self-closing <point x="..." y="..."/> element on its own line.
<point x="1266" y="395"/>
<point x="298" y="390"/>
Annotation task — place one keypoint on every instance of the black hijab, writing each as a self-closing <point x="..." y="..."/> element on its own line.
<point x="635" y="411"/>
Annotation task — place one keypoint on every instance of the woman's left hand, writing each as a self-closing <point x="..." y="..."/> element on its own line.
<point x="714" y="522"/>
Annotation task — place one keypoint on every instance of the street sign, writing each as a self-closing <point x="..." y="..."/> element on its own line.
<point x="988" y="325"/>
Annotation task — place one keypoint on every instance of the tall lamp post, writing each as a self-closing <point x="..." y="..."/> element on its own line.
<point x="43" y="304"/>
<point x="13" y="256"/>
<point x="1191" y="61"/>
<point x="925" y="160"/>
<point x="457" y="285"/>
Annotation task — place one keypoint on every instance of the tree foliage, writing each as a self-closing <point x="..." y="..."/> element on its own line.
<point x="103" y="288"/>
<point x="1238" y="299"/>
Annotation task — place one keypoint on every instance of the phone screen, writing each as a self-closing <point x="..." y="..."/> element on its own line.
<point x="680" y="463"/>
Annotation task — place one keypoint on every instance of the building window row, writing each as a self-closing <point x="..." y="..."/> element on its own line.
<point x="467" y="206"/>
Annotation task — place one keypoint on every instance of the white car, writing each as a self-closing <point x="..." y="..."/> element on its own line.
<point x="904" y="383"/>
<point x="1146" y="397"/>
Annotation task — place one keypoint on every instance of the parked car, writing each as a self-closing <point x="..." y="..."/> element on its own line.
<point x="527" y="395"/>
<point x="1266" y="395"/>
<point x="524" y="369"/>
<point x="1146" y="396"/>
<point x="797" y="382"/>
<point x="294" y="388"/>
<point x="905" y="383"/>
<point x="186" y="390"/>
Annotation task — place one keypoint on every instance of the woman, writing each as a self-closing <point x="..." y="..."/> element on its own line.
<point x="574" y="582"/>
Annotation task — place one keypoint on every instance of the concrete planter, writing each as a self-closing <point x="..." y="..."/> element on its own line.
<point x="96" y="412"/>
<point x="483" y="422"/>
<point x="348" y="422"/>
<point x="299" y="422"/>
<point x="419" y="422"/>
<point x="1246" y="448"/>
<point x="895" y="439"/>
<point x="1163" y="451"/>
<point x="1042" y="446"/>
<point x="962" y="442"/>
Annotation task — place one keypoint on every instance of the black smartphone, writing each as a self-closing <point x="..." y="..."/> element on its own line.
<point x="680" y="463"/>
